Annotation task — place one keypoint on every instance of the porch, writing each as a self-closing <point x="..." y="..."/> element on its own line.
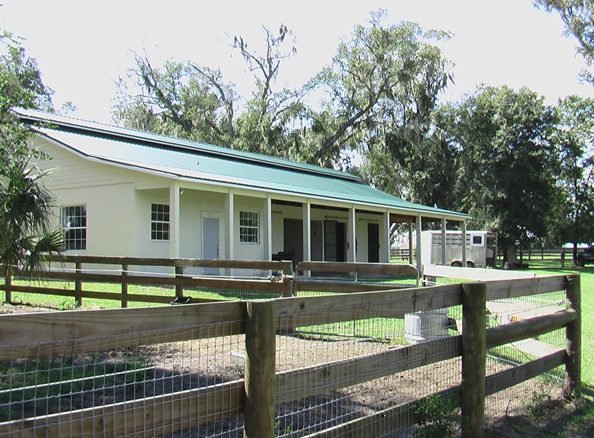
<point x="214" y="222"/>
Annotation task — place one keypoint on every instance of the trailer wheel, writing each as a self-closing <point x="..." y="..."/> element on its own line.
<point x="469" y="264"/>
<point x="456" y="264"/>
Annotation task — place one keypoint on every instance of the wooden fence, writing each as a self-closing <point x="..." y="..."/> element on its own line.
<point x="351" y="277"/>
<point x="121" y="272"/>
<point x="401" y="253"/>
<point x="126" y="271"/>
<point x="264" y="387"/>
<point x="529" y="253"/>
<point x="542" y="253"/>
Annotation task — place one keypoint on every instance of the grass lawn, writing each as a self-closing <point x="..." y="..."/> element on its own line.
<point x="552" y="266"/>
<point x="67" y="303"/>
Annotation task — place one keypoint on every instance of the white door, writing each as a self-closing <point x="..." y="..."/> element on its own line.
<point x="210" y="242"/>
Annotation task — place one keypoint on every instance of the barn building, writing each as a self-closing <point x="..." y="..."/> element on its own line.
<point x="132" y="193"/>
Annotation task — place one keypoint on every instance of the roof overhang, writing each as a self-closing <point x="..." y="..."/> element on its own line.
<point x="397" y="214"/>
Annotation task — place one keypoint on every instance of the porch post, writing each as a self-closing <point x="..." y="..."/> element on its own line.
<point x="464" y="243"/>
<point x="418" y="247"/>
<point x="268" y="228"/>
<point x="306" y="231"/>
<point x="230" y="234"/>
<point x="352" y="236"/>
<point x="174" y="221"/>
<point x="443" y="242"/>
<point x="387" y="236"/>
<point x="410" y="242"/>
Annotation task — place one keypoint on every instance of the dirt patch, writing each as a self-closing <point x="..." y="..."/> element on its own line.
<point x="156" y="370"/>
<point x="7" y="309"/>
<point x="548" y="414"/>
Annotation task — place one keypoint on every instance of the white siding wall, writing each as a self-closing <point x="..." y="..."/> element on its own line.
<point x="107" y="192"/>
<point x="109" y="230"/>
<point x="118" y="213"/>
<point x="361" y="230"/>
<point x="143" y="245"/>
<point x="362" y="237"/>
<point x="250" y="251"/>
<point x="71" y="170"/>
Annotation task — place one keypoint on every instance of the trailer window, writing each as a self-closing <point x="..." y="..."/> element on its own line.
<point x="477" y="240"/>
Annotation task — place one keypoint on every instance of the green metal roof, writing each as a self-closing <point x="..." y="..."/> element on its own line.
<point x="163" y="140"/>
<point x="231" y="169"/>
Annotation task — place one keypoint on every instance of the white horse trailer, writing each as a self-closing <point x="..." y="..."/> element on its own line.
<point x="481" y="248"/>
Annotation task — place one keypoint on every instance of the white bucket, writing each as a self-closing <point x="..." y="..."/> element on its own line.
<point x="426" y="326"/>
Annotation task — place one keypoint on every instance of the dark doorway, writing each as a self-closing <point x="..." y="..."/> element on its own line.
<point x="373" y="243"/>
<point x="334" y="241"/>
<point x="293" y="238"/>
<point x="317" y="244"/>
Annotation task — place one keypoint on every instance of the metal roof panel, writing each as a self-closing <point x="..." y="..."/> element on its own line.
<point x="166" y="141"/>
<point x="201" y="166"/>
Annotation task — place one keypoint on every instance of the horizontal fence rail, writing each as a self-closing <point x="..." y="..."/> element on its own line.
<point x="285" y="266"/>
<point x="121" y="271"/>
<point x="359" y="276"/>
<point x="42" y="335"/>
<point x="39" y="334"/>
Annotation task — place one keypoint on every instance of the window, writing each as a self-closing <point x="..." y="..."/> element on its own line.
<point x="248" y="227"/>
<point x="477" y="240"/>
<point x="74" y="226"/>
<point x="159" y="222"/>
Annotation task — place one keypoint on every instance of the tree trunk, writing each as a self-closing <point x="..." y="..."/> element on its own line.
<point x="510" y="254"/>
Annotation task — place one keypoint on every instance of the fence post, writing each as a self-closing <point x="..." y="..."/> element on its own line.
<point x="179" y="287"/>
<point x="573" y="338"/>
<point x="260" y="348"/>
<point x="8" y="284"/>
<point x="78" y="285"/>
<point x="474" y="349"/>
<point x="410" y="237"/>
<point x="288" y="286"/>
<point x="124" y="285"/>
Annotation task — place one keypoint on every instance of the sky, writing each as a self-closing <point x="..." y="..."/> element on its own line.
<point x="82" y="47"/>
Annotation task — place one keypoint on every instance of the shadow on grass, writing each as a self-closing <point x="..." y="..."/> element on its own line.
<point x="550" y="417"/>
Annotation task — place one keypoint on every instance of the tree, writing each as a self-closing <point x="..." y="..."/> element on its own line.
<point x="20" y="86"/>
<point x="266" y="122"/>
<point x="192" y="101"/>
<point x="578" y="17"/>
<point x="383" y="87"/>
<point x="25" y="205"/>
<point x="573" y="138"/>
<point x="25" y="210"/>
<point x="20" y="78"/>
<point x="180" y="99"/>
<point x="505" y="162"/>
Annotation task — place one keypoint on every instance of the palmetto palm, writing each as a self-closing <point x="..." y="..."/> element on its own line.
<point x="25" y="218"/>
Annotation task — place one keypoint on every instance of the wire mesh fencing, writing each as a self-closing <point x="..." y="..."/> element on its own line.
<point x="522" y="398"/>
<point x="383" y="363"/>
<point x="183" y="381"/>
<point x="366" y="374"/>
